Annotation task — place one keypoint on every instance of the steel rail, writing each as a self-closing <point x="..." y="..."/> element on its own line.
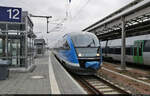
<point x="100" y="86"/>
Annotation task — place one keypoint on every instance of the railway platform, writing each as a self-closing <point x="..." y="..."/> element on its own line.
<point x="48" y="77"/>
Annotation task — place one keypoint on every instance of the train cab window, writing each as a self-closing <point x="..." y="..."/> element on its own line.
<point x="85" y="40"/>
<point x="66" y="45"/>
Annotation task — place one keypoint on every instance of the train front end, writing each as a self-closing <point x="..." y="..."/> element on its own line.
<point x="88" y="50"/>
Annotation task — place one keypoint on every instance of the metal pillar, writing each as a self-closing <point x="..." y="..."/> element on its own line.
<point x="106" y="48"/>
<point x="6" y="44"/>
<point x="123" y="63"/>
<point x="47" y="23"/>
<point x="26" y="43"/>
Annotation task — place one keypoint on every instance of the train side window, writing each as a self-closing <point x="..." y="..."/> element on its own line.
<point x="128" y="51"/>
<point x="147" y="46"/>
<point x="110" y="50"/>
<point x="140" y="51"/>
<point x="135" y="51"/>
<point x="103" y="50"/>
<point x="113" y="50"/>
<point x="131" y="50"/>
<point x="118" y="50"/>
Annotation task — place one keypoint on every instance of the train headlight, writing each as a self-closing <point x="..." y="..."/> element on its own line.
<point x="97" y="54"/>
<point x="79" y="54"/>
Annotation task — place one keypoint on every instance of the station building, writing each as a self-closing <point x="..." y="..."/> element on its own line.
<point x="17" y="42"/>
<point x="40" y="46"/>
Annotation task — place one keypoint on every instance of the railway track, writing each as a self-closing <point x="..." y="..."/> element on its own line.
<point x="98" y="85"/>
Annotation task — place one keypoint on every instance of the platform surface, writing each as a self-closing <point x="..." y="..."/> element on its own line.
<point x="23" y="83"/>
<point x="48" y="77"/>
<point x="66" y="84"/>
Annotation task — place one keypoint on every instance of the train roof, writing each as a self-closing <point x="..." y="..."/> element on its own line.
<point x="129" y="40"/>
<point x="78" y="33"/>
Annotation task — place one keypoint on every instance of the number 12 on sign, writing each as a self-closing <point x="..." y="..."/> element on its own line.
<point x="13" y="13"/>
<point x="10" y="14"/>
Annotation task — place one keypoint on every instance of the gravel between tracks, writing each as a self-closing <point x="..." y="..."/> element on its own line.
<point x="128" y="84"/>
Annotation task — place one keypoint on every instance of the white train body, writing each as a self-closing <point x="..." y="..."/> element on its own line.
<point x="137" y="49"/>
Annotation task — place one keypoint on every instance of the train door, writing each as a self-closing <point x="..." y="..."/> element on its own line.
<point x="138" y="51"/>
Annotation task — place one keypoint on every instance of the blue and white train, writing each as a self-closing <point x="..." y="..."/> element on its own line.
<point x="79" y="52"/>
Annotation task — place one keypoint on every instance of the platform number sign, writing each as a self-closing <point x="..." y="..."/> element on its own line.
<point x="10" y="14"/>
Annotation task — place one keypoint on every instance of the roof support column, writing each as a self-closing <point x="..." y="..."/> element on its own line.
<point x="123" y="53"/>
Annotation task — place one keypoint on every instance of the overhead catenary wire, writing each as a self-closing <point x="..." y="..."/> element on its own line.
<point x="68" y="16"/>
<point x="59" y="25"/>
<point x="81" y="9"/>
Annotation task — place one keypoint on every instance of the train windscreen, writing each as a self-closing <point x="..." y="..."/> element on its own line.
<point x="85" y="40"/>
<point x="86" y="45"/>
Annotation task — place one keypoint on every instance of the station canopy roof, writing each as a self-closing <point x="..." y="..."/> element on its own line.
<point x="137" y="21"/>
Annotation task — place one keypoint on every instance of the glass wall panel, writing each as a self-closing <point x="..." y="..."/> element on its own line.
<point x="15" y="51"/>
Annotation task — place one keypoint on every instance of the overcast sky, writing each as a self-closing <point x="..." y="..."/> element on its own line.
<point x="81" y="14"/>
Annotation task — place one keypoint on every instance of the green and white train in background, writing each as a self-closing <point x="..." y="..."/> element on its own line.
<point x="137" y="49"/>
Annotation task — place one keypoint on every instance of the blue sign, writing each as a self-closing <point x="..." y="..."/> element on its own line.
<point x="10" y="14"/>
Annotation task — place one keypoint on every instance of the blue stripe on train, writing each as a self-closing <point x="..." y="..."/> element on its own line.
<point x="69" y="55"/>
